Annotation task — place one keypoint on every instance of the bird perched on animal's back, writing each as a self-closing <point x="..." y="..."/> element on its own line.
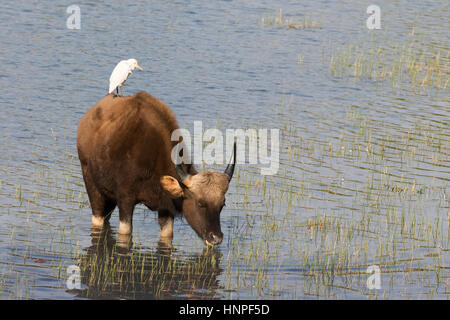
<point x="120" y="73"/>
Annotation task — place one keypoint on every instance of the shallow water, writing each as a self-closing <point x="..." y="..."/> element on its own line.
<point x="364" y="159"/>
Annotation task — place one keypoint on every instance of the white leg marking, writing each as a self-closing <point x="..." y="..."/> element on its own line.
<point x="124" y="227"/>
<point x="167" y="230"/>
<point x="97" y="221"/>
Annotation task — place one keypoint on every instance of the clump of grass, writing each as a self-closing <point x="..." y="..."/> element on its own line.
<point x="402" y="63"/>
<point x="272" y="20"/>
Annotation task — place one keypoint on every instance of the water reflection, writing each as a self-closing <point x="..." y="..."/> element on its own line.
<point x="114" y="269"/>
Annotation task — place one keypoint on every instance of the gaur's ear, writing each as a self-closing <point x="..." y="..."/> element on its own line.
<point x="171" y="185"/>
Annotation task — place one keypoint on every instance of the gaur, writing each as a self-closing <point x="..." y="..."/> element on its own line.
<point x="124" y="146"/>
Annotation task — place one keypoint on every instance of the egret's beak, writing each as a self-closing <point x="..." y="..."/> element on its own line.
<point x="139" y="67"/>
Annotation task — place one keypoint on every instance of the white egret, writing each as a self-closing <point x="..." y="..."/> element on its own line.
<point x="120" y="74"/>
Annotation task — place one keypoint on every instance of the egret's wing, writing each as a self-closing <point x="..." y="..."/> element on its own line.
<point x="119" y="75"/>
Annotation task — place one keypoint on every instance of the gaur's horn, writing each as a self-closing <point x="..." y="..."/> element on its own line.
<point x="230" y="168"/>
<point x="181" y="173"/>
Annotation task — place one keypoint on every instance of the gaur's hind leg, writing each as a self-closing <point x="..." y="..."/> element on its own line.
<point x="104" y="214"/>
<point x="126" y="208"/>
<point x="100" y="205"/>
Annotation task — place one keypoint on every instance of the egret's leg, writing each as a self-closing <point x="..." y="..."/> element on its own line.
<point x="117" y="89"/>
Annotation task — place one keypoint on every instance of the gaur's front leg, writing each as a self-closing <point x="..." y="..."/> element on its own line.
<point x="165" y="220"/>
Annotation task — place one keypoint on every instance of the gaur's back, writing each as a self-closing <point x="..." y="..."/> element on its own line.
<point x="124" y="139"/>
